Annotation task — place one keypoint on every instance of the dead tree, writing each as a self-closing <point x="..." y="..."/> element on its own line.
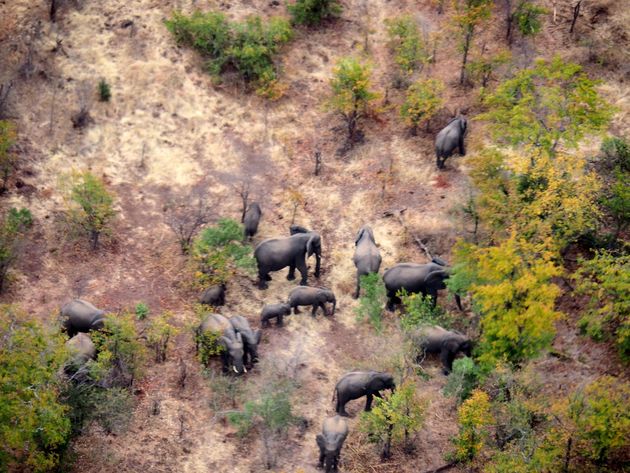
<point x="5" y="89"/>
<point x="186" y="216"/>
<point x="243" y="191"/>
<point x="318" y="162"/>
<point x="82" y="117"/>
<point x="398" y="214"/>
<point x="576" y="14"/>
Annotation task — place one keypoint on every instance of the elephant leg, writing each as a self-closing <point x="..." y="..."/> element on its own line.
<point x="341" y="405"/>
<point x="358" y="291"/>
<point x="368" y="402"/>
<point x="279" y="322"/>
<point x="323" y="306"/>
<point x="301" y="266"/>
<point x="391" y="301"/>
<point x="321" y="458"/>
<point x="447" y="357"/>
<point x="262" y="280"/>
<point x="291" y="275"/>
<point x="296" y="310"/>
<point x="315" y="306"/>
<point x="224" y="362"/>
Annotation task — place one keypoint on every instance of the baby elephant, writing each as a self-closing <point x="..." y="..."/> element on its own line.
<point x="214" y="295"/>
<point x="330" y="441"/>
<point x="448" y="344"/>
<point x="313" y="296"/>
<point x="81" y="316"/>
<point x="251" y="338"/>
<point x="274" y="310"/>
<point x="81" y="350"/>
<point x="251" y="219"/>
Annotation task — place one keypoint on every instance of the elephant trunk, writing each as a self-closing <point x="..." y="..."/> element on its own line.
<point x="458" y="301"/>
<point x="334" y="302"/>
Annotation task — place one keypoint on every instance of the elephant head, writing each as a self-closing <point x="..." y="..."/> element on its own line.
<point x="436" y="281"/>
<point x="314" y="244"/>
<point x="295" y="229"/>
<point x="253" y="339"/>
<point x="235" y="353"/>
<point x="326" y="295"/>
<point x="364" y="230"/>
<point x="382" y="381"/>
<point x="329" y="448"/>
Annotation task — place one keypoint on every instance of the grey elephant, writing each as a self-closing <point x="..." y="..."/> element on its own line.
<point x="314" y="296"/>
<point x="275" y="254"/>
<point x="435" y="339"/>
<point x="367" y="256"/>
<point x="251" y="220"/>
<point x="450" y="138"/>
<point x="81" y="350"/>
<point x="231" y="341"/>
<point x="251" y="338"/>
<point x="214" y="295"/>
<point x="81" y="316"/>
<point x="426" y="279"/>
<point x="277" y="311"/>
<point x="356" y="384"/>
<point x="330" y="441"/>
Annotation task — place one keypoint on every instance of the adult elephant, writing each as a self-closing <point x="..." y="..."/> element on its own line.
<point x="367" y="256"/>
<point x="251" y="338"/>
<point x="251" y="219"/>
<point x="313" y="296"/>
<point x="356" y="384"/>
<point x="435" y="339"/>
<point x="426" y="279"/>
<point x="330" y="441"/>
<point x="231" y="341"/>
<point x="81" y="316"/>
<point x="275" y="254"/>
<point x="450" y="138"/>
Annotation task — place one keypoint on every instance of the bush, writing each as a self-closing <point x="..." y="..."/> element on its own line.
<point x="372" y="301"/>
<point x="227" y="390"/>
<point x="247" y="48"/>
<point x="89" y="205"/>
<point x="482" y="69"/>
<point x="104" y="91"/>
<point x="617" y="152"/>
<point x="422" y="102"/>
<point x="142" y="310"/>
<point x="208" y="346"/>
<point x="159" y="335"/>
<point x="33" y="424"/>
<point x="12" y="230"/>
<point x="474" y="418"/>
<point x="420" y="310"/>
<point x="8" y="159"/>
<point x="407" y="44"/>
<point x="313" y="12"/>
<point x="463" y="379"/>
<point x="617" y="201"/>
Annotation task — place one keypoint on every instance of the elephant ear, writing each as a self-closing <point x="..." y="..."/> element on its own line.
<point x="309" y="244"/>
<point x="239" y="338"/>
<point x="436" y="279"/>
<point x="359" y="236"/>
<point x="452" y="345"/>
<point x="464" y="124"/>
<point x="227" y="341"/>
<point x="321" y="443"/>
<point x="257" y="336"/>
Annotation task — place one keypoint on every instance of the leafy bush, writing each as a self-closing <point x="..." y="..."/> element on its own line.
<point x="605" y="280"/>
<point x="208" y="346"/>
<point x="617" y="152"/>
<point x="483" y="68"/>
<point x="393" y="417"/>
<point x="247" y="48"/>
<point x="422" y="102"/>
<point x="142" y="310"/>
<point x="8" y="159"/>
<point x="617" y="201"/>
<point x="104" y="91"/>
<point x="469" y="16"/>
<point x="33" y="423"/>
<point x="474" y="418"/>
<point x="159" y="334"/>
<point x="89" y="205"/>
<point x="219" y="253"/>
<point x="406" y="42"/>
<point x="12" y="230"/>
<point x="372" y="301"/>
<point x="527" y="18"/>
<point x="420" y="310"/>
<point x="313" y="12"/>
<point x="227" y="390"/>
<point x="463" y="379"/>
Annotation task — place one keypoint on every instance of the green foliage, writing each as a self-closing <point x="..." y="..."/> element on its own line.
<point x="351" y="92"/>
<point x="469" y="15"/>
<point x="12" y="230"/>
<point x="406" y="42"/>
<point x="313" y="12"/>
<point x="463" y="379"/>
<point x="527" y="18"/>
<point x="227" y="390"/>
<point x="617" y="152"/>
<point x="551" y="103"/>
<point x="617" y="200"/>
<point x="420" y="310"/>
<point x="104" y="91"/>
<point x="247" y="48"/>
<point x="512" y="289"/>
<point x="423" y="101"/>
<point x="8" y="159"/>
<point x="605" y="279"/>
<point x="474" y="417"/>
<point x="159" y="334"/>
<point x="394" y="417"/>
<point x="208" y="346"/>
<point x="33" y="424"/>
<point x="219" y="253"/>
<point x="482" y="69"/>
<point x="89" y="205"/>
<point x="142" y="310"/>
<point x="372" y="301"/>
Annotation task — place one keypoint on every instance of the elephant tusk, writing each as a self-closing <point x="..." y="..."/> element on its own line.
<point x="244" y="369"/>
<point x="235" y="370"/>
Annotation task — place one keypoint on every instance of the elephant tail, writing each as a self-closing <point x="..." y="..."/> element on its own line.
<point x="335" y="395"/>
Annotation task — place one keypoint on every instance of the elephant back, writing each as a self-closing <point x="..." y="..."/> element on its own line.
<point x="336" y="425"/>
<point x="82" y="316"/>
<point x="218" y="324"/>
<point x="81" y="348"/>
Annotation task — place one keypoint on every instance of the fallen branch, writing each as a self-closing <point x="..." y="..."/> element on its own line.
<point x="398" y="215"/>
<point x="448" y="466"/>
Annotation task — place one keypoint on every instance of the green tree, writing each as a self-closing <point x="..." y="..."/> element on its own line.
<point x="12" y="230"/>
<point x="423" y="101"/>
<point x="482" y="69"/>
<point x="160" y="333"/>
<point x="90" y="206"/>
<point x="8" y="159"/>
<point x="104" y="91"/>
<point x="351" y="93"/>
<point x="616" y="201"/>
<point x="372" y="301"/>
<point x="616" y="151"/>
<point x="313" y="12"/>
<point x="469" y="16"/>
<point x="551" y="103"/>
<point x="525" y="15"/>
<point x="407" y="44"/>
<point x="393" y="418"/>
<point x="420" y="310"/>
<point x="463" y="379"/>
<point x="474" y="418"/>
<point x="33" y="423"/>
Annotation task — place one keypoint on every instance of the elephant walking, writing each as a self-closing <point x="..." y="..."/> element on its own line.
<point x="435" y="339"/>
<point x="314" y="296"/>
<point x="251" y="220"/>
<point x="275" y="254"/>
<point x="231" y="341"/>
<point x="251" y="338"/>
<point x="214" y="295"/>
<point x="426" y="279"/>
<point x="367" y="256"/>
<point x="277" y="311"/>
<point x="81" y="316"/>
<point x="450" y="138"/>
<point x="330" y="441"/>
<point x="356" y="384"/>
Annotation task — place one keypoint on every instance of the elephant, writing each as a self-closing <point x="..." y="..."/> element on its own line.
<point x="251" y="338"/>
<point x="450" y="138"/>
<point x="275" y="254"/>
<point x="81" y="350"/>
<point x="313" y="296"/>
<point x="214" y="295"/>
<point x="251" y="219"/>
<point x="426" y="279"/>
<point x="274" y="310"/>
<point x="81" y="316"/>
<point x="367" y="257"/>
<point x="435" y="339"/>
<point x="232" y="342"/>
<point x="355" y="384"/>
<point x="330" y="441"/>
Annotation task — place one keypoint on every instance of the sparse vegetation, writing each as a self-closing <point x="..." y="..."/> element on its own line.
<point x="13" y="228"/>
<point x="313" y="12"/>
<point x="142" y="310"/>
<point x="8" y="158"/>
<point x="483" y="69"/>
<point x="104" y="91"/>
<point x="475" y="418"/>
<point x="421" y="310"/>
<point x="160" y="333"/>
<point x="463" y="379"/>
<point x="469" y="16"/>
<point x="407" y="44"/>
<point x="422" y="102"/>
<point x="372" y="301"/>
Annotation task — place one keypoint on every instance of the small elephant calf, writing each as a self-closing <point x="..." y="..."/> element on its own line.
<point x="435" y="339"/>
<point x="271" y="311"/>
<point x="313" y="296"/>
<point x="330" y="441"/>
<point x="214" y="295"/>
